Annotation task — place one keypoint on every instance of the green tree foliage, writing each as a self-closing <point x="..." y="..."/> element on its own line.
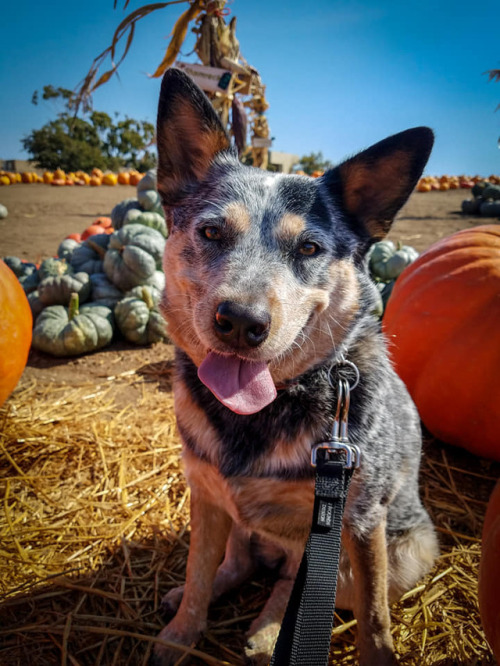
<point x="74" y="143"/>
<point x="313" y="162"/>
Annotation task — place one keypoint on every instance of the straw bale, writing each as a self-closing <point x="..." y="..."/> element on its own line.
<point x="95" y="529"/>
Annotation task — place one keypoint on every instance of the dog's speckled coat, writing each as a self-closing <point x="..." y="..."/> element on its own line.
<point x="292" y="248"/>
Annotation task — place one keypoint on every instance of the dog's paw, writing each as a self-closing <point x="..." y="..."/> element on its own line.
<point x="171" y="601"/>
<point x="260" y="645"/>
<point x="164" y="655"/>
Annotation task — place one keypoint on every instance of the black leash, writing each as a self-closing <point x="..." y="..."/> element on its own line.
<point x="304" y="638"/>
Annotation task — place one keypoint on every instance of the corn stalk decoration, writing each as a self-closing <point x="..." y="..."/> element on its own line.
<point x="216" y="46"/>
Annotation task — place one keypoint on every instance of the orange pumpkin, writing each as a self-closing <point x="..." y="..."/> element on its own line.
<point x="442" y="323"/>
<point x="96" y="172"/>
<point x="124" y="178"/>
<point x="95" y="181"/>
<point x="489" y="580"/>
<point x="15" y="331"/>
<point x="135" y="178"/>
<point x="103" y="222"/>
<point x="57" y="182"/>
<point x="92" y="230"/>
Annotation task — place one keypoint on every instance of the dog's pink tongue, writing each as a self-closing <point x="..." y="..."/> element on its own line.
<point x="242" y="386"/>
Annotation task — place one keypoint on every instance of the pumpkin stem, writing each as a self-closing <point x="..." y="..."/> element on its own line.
<point x="148" y="298"/>
<point x="74" y="303"/>
<point x="97" y="248"/>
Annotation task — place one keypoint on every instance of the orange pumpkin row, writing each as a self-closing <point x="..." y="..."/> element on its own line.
<point x="59" y="178"/>
<point x="444" y="183"/>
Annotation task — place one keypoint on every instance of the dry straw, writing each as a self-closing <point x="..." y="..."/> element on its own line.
<point x="94" y="529"/>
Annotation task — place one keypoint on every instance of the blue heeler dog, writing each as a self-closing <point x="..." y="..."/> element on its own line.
<point x="267" y="292"/>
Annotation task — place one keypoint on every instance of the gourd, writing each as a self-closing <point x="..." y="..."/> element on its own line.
<point x="36" y="305"/>
<point x="52" y="267"/>
<point x="386" y="262"/>
<point x="491" y="192"/>
<point x="490" y="208"/>
<point x="57" y="290"/>
<point x="15" y="331"/>
<point x="104" y="291"/>
<point x="489" y="581"/>
<point x="471" y="206"/>
<point x="27" y="273"/>
<point x="147" y="182"/>
<point x="442" y="324"/>
<point x="74" y="330"/>
<point x="138" y="318"/>
<point x="134" y="255"/>
<point x="148" y="219"/>
<point x="150" y="200"/>
<point x="66" y="248"/>
<point x="3" y="211"/>
<point x="89" y="255"/>
<point x="92" y="230"/>
<point x="119" y="211"/>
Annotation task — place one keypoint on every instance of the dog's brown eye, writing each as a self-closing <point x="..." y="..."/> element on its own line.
<point x="212" y="233"/>
<point x="308" y="249"/>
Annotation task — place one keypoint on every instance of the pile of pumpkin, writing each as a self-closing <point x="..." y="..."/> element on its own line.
<point x="485" y="201"/>
<point x="445" y="182"/>
<point x="105" y="281"/>
<point x="60" y="177"/>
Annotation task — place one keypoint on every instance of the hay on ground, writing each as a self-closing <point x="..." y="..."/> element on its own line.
<point x="95" y="529"/>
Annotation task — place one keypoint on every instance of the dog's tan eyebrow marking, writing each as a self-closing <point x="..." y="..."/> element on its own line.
<point x="290" y="225"/>
<point x="238" y="217"/>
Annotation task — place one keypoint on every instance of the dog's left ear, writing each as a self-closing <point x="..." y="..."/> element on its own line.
<point x="374" y="184"/>
<point x="189" y="135"/>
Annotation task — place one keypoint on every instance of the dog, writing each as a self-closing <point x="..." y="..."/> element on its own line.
<point x="267" y="292"/>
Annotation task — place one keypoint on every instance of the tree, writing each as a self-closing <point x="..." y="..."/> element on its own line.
<point x="313" y="162"/>
<point x="73" y="143"/>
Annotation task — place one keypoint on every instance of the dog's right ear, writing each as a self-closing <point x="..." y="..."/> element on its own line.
<point x="189" y="135"/>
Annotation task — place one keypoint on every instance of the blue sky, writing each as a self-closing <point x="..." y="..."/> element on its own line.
<point x="339" y="75"/>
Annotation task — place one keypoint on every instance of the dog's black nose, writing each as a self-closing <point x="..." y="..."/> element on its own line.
<point x="241" y="326"/>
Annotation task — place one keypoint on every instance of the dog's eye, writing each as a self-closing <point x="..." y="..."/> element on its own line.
<point x="309" y="249"/>
<point x="212" y="233"/>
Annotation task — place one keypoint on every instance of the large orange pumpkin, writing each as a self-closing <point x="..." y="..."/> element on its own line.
<point x="442" y="323"/>
<point x="489" y="580"/>
<point x="15" y="331"/>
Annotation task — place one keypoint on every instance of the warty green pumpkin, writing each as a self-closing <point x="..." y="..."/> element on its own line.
<point x="52" y="267"/>
<point x="386" y="262"/>
<point x="138" y="318"/>
<point x="66" y="248"/>
<point x="26" y="272"/>
<point x="89" y="255"/>
<point x="57" y="290"/>
<point x="72" y="331"/>
<point x="148" y="219"/>
<point x="104" y="291"/>
<point x="120" y="210"/>
<point x="134" y="255"/>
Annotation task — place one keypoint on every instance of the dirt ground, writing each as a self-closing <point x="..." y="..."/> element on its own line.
<point x="40" y="216"/>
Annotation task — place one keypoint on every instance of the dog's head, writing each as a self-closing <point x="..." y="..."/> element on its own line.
<point x="264" y="272"/>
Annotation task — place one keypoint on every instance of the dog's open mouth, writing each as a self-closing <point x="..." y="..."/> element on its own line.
<point x="244" y="387"/>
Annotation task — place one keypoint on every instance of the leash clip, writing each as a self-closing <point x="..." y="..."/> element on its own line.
<point x="339" y="441"/>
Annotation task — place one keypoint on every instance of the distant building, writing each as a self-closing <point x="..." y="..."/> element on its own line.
<point x="18" y="166"/>
<point x="282" y="162"/>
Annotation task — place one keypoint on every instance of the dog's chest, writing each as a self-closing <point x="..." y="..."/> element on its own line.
<point x="276" y="508"/>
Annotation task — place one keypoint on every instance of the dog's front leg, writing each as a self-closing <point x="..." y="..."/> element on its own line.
<point x="368" y="556"/>
<point x="210" y="527"/>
